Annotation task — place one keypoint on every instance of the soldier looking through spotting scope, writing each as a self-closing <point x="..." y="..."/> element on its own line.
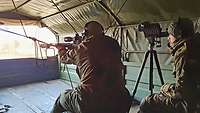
<point x="183" y="96"/>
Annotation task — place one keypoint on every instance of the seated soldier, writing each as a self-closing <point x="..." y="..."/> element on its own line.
<point x="183" y="96"/>
<point x="102" y="88"/>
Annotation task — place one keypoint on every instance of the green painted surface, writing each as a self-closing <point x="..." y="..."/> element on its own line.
<point x="68" y="73"/>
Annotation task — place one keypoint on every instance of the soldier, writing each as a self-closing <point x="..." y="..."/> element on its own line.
<point x="183" y="96"/>
<point x="102" y="89"/>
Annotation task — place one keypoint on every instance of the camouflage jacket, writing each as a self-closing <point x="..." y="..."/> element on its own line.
<point x="99" y="63"/>
<point x="187" y="65"/>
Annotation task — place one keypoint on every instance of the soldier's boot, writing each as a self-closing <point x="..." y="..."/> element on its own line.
<point x="57" y="108"/>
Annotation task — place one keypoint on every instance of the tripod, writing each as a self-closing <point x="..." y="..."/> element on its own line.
<point x="152" y="53"/>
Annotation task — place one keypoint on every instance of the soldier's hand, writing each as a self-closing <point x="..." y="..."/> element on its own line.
<point x="168" y="89"/>
<point x="60" y="47"/>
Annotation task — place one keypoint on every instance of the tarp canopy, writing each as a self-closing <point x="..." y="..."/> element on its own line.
<point x="65" y="17"/>
<point x="61" y="15"/>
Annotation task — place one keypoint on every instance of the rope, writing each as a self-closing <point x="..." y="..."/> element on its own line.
<point x="41" y="55"/>
<point x="34" y="39"/>
<point x="19" y="19"/>
<point x="74" y="31"/>
<point x="36" y="51"/>
<point x="69" y="77"/>
<point x="64" y="17"/>
<point x="116" y="15"/>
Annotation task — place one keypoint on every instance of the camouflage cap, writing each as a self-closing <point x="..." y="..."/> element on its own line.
<point x="172" y="29"/>
<point x="182" y="28"/>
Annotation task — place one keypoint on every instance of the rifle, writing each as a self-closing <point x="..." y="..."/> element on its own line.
<point x="66" y="45"/>
<point x="69" y="42"/>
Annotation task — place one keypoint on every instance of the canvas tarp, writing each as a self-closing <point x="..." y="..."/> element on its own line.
<point x="107" y="12"/>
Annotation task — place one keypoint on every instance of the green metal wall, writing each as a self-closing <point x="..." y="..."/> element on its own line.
<point x="68" y="74"/>
<point x="143" y="87"/>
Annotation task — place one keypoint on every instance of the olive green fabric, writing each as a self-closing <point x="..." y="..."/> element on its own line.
<point x="79" y="12"/>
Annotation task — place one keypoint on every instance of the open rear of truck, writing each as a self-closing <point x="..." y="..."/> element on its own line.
<point x="32" y="77"/>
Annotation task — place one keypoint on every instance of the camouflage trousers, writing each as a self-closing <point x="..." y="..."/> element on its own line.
<point x="75" y="101"/>
<point x="165" y="102"/>
<point x="69" y="100"/>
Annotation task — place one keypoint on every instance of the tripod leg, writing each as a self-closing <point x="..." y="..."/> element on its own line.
<point x="151" y="73"/>
<point x="140" y="74"/>
<point x="158" y="67"/>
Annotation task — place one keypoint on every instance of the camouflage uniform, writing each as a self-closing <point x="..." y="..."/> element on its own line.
<point x="183" y="96"/>
<point x="102" y="89"/>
